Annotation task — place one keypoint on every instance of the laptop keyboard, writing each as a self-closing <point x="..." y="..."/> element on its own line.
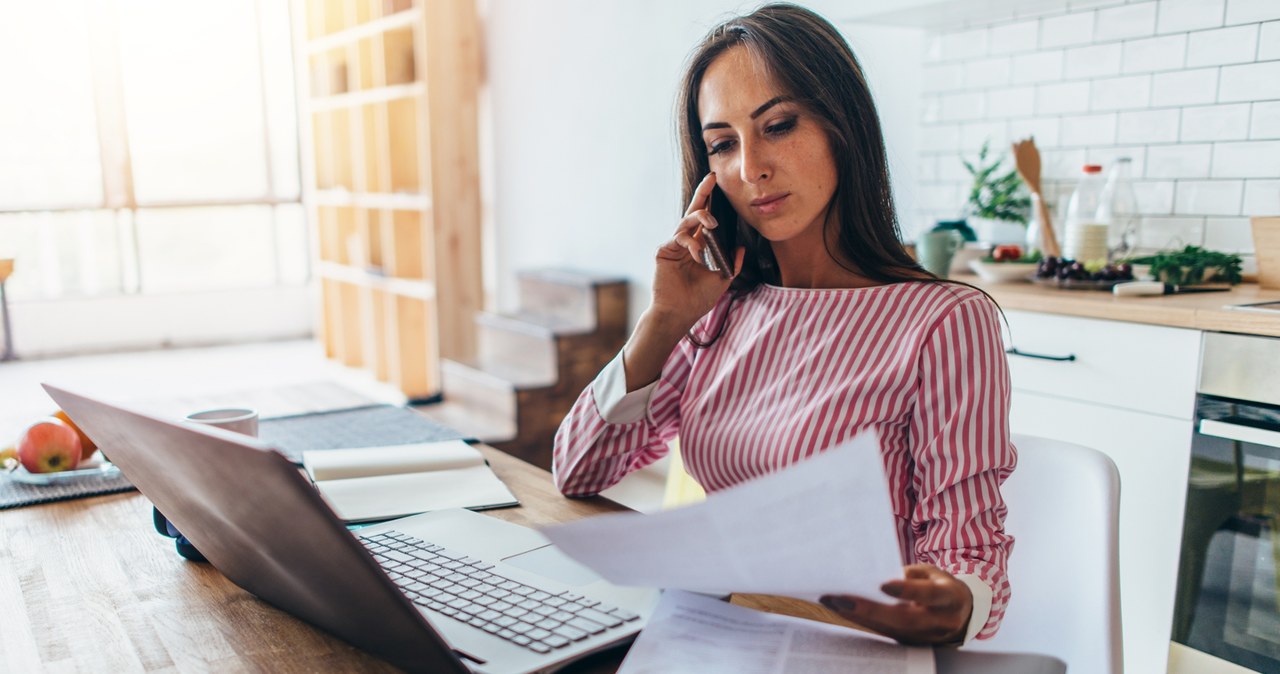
<point x="467" y="590"/>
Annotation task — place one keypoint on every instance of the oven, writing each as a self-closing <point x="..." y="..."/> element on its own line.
<point x="1228" y="597"/>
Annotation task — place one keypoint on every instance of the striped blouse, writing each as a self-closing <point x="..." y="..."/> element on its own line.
<point x="799" y="370"/>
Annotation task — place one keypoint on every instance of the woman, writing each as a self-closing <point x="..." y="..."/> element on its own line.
<point x="828" y="328"/>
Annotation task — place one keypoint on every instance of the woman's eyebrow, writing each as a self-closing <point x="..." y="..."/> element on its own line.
<point x="754" y="114"/>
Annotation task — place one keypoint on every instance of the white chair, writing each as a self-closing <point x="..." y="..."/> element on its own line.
<point x="1064" y="506"/>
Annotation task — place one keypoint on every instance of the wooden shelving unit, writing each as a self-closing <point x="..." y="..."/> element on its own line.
<point x="387" y="92"/>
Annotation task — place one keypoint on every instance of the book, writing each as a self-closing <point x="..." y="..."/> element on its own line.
<point x="367" y="484"/>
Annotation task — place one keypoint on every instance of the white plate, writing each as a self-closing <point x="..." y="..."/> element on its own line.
<point x="1003" y="272"/>
<point x="90" y="468"/>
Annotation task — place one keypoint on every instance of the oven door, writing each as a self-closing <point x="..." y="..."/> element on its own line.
<point x="1228" y="602"/>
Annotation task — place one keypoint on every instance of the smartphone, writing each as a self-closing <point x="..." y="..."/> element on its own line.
<point x="719" y="242"/>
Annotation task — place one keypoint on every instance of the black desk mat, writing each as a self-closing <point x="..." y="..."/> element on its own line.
<point x="366" y="426"/>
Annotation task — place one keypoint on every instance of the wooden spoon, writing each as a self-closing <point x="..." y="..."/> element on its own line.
<point x="1027" y="160"/>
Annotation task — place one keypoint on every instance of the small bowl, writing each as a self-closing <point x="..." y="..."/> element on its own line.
<point x="1003" y="272"/>
<point x="968" y="253"/>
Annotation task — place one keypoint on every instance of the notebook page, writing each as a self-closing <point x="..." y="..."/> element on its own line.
<point x="364" y="499"/>
<point x="340" y="464"/>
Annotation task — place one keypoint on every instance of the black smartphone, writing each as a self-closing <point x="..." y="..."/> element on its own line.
<point x="719" y="242"/>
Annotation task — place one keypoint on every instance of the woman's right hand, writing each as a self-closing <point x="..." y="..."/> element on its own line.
<point x="684" y="290"/>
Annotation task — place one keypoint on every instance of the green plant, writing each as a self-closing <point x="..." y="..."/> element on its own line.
<point x="993" y="195"/>
<point x="1189" y="265"/>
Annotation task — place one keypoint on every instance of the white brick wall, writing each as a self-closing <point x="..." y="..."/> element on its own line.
<point x="1189" y="89"/>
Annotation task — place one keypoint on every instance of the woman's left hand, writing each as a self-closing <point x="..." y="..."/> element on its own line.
<point x="934" y="608"/>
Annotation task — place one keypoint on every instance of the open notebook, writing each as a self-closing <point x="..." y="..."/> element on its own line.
<point x="377" y="483"/>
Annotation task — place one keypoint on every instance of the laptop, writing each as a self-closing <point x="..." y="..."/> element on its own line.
<point x="445" y="591"/>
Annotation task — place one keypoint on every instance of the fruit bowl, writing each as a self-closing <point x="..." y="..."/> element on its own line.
<point x="1003" y="272"/>
<point x="87" y="469"/>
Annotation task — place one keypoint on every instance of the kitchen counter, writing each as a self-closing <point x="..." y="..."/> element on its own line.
<point x="1198" y="311"/>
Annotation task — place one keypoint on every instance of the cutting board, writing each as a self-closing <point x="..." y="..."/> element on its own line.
<point x="1266" y="245"/>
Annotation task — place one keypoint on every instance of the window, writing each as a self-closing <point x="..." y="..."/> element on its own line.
<point x="148" y="147"/>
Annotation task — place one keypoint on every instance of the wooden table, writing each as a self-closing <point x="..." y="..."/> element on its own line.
<point x="88" y="586"/>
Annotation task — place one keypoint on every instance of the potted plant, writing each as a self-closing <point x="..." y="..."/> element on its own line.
<point x="998" y="203"/>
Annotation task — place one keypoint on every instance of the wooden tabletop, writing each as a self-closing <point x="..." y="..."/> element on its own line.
<point x="1198" y="311"/>
<point x="88" y="586"/>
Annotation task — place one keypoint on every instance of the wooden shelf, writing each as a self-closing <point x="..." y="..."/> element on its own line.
<point x="391" y="171"/>
<point x="402" y="19"/>
<point x="365" y="97"/>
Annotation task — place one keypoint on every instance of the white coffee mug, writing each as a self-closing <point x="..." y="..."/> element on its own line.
<point x="237" y="420"/>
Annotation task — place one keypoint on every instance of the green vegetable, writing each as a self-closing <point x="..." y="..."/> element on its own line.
<point x="996" y="196"/>
<point x="1191" y="264"/>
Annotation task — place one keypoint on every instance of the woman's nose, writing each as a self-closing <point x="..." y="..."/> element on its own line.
<point x="756" y="164"/>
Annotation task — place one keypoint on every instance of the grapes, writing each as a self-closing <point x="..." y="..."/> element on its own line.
<point x="1065" y="270"/>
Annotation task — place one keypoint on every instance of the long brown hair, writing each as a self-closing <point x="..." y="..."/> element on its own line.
<point x="812" y="63"/>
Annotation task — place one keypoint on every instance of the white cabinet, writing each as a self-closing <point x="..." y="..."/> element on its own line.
<point x="1130" y="393"/>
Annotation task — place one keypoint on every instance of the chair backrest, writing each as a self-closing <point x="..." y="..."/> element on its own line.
<point x="1064" y="506"/>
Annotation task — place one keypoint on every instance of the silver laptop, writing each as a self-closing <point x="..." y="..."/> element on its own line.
<point x="447" y="591"/>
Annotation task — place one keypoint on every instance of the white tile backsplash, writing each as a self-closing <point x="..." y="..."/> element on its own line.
<point x="935" y="138"/>
<point x="1013" y="37"/>
<point x="1121" y="93"/>
<point x="988" y="72"/>
<point x="963" y="45"/>
<point x="1061" y="164"/>
<point x="1137" y="155"/>
<point x="1237" y="44"/>
<point x="1189" y="89"/>
<point x="1215" y="122"/>
<point x="1059" y="98"/>
<point x="1261" y="197"/>
<point x="942" y="77"/>
<point x="1208" y="197"/>
<point x="1250" y="82"/>
<point x="972" y="136"/>
<point x="1089" y="130"/>
<point x="1149" y="126"/>
<point x="1246" y="159"/>
<point x="962" y="106"/>
<point x="1155" y="197"/>
<point x="1175" y="232"/>
<point x="1153" y="54"/>
<point x="1266" y="120"/>
<point x="1229" y="235"/>
<point x="1045" y="130"/>
<point x="1180" y="16"/>
<point x="1134" y="20"/>
<point x="1093" y="61"/>
<point x="1037" y="67"/>
<point x="1187" y="160"/>
<point x="1011" y="102"/>
<point x="1184" y="87"/>
<point x="1249" y="11"/>
<point x="1269" y="42"/>
<point x="1068" y="29"/>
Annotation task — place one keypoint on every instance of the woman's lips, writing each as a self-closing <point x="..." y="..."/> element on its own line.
<point x="769" y="204"/>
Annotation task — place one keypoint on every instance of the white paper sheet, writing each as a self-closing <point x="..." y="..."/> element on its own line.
<point x="822" y="526"/>
<point x="700" y="635"/>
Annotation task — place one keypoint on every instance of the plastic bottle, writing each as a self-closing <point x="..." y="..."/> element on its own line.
<point x="1119" y="209"/>
<point x="1086" y="236"/>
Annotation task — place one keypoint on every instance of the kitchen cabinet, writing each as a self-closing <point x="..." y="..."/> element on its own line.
<point x="1128" y="391"/>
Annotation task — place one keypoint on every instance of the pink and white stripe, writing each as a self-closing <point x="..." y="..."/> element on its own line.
<point x="797" y="371"/>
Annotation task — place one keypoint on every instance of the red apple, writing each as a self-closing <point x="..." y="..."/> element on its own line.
<point x="49" y="446"/>
<point x="6" y="454"/>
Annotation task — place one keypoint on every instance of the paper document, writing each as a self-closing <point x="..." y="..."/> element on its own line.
<point x="700" y="635"/>
<point x="824" y="525"/>
<point x="377" y="483"/>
